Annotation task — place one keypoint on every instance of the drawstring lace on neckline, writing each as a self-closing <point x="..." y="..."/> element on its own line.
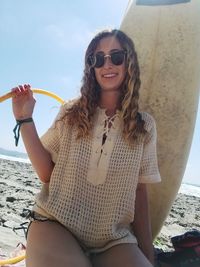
<point x="108" y="122"/>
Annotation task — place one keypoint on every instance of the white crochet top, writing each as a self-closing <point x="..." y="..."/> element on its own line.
<point x="92" y="187"/>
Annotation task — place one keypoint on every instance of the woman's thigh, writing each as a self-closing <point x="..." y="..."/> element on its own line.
<point x="50" y="244"/>
<point x="126" y="255"/>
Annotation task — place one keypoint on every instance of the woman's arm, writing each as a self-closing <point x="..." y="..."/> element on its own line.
<point x="38" y="155"/>
<point x="141" y="224"/>
<point x="23" y="106"/>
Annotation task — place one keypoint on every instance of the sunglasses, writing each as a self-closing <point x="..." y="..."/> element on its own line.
<point x="98" y="60"/>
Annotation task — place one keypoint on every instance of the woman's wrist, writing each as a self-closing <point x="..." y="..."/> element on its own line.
<point x="27" y="119"/>
<point x="16" y="130"/>
<point x="19" y="118"/>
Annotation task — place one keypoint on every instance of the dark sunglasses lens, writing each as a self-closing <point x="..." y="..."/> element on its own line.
<point x="99" y="62"/>
<point x="117" y="58"/>
<point x="96" y="61"/>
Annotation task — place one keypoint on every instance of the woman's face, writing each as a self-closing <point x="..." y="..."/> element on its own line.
<point x="109" y="76"/>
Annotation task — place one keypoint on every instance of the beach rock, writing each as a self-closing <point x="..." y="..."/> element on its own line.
<point x="10" y="199"/>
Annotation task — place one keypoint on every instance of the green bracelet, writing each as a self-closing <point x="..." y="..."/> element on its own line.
<point x="16" y="130"/>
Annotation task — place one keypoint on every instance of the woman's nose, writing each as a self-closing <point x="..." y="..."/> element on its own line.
<point x="107" y="61"/>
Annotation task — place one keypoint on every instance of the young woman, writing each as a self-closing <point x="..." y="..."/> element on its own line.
<point x="94" y="163"/>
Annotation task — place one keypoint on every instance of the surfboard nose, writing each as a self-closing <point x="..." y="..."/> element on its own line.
<point x="160" y="2"/>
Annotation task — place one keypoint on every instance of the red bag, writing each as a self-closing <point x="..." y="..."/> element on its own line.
<point x="186" y="254"/>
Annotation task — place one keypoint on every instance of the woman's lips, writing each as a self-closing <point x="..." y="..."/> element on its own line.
<point x="109" y="75"/>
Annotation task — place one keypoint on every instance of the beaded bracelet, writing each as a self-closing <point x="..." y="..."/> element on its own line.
<point x="16" y="130"/>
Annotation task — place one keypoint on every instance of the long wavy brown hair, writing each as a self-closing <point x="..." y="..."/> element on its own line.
<point x="80" y="113"/>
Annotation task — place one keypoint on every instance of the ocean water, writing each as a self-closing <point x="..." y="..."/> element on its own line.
<point x="14" y="158"/>
<point x="185" y="188"/>
<point x="188" y="189"/>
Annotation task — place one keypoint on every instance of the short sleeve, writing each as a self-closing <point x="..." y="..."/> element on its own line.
<point x="149" y="172"/>
<point x="51" y="139"/>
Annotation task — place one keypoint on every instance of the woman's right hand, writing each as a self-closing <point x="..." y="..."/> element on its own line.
<point x="23" y="102"/>
<point x="23" y="105"/>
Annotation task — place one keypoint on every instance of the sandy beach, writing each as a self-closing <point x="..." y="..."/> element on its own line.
<point x="19" y="184"/>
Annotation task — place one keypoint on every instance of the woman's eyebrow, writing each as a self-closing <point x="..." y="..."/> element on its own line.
<point x="112" y="50"/>
<point x="116" y="49"/>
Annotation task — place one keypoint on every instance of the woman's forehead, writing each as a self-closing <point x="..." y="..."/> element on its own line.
<point x="107" y="44"/>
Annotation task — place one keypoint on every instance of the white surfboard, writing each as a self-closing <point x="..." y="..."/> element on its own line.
<point x="166" y="34"/>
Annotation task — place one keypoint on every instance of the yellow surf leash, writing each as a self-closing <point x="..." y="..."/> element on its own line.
<point x="12" y="260"/>
<point x="35" y="90"/>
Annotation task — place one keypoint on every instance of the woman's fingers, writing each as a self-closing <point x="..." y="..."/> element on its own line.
<point x="28" y="89"/>
<point x="22" y="90"/>
<point x="15" y="91"/>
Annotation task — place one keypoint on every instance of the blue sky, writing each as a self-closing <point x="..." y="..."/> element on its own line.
<point x="43" y="43"/>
